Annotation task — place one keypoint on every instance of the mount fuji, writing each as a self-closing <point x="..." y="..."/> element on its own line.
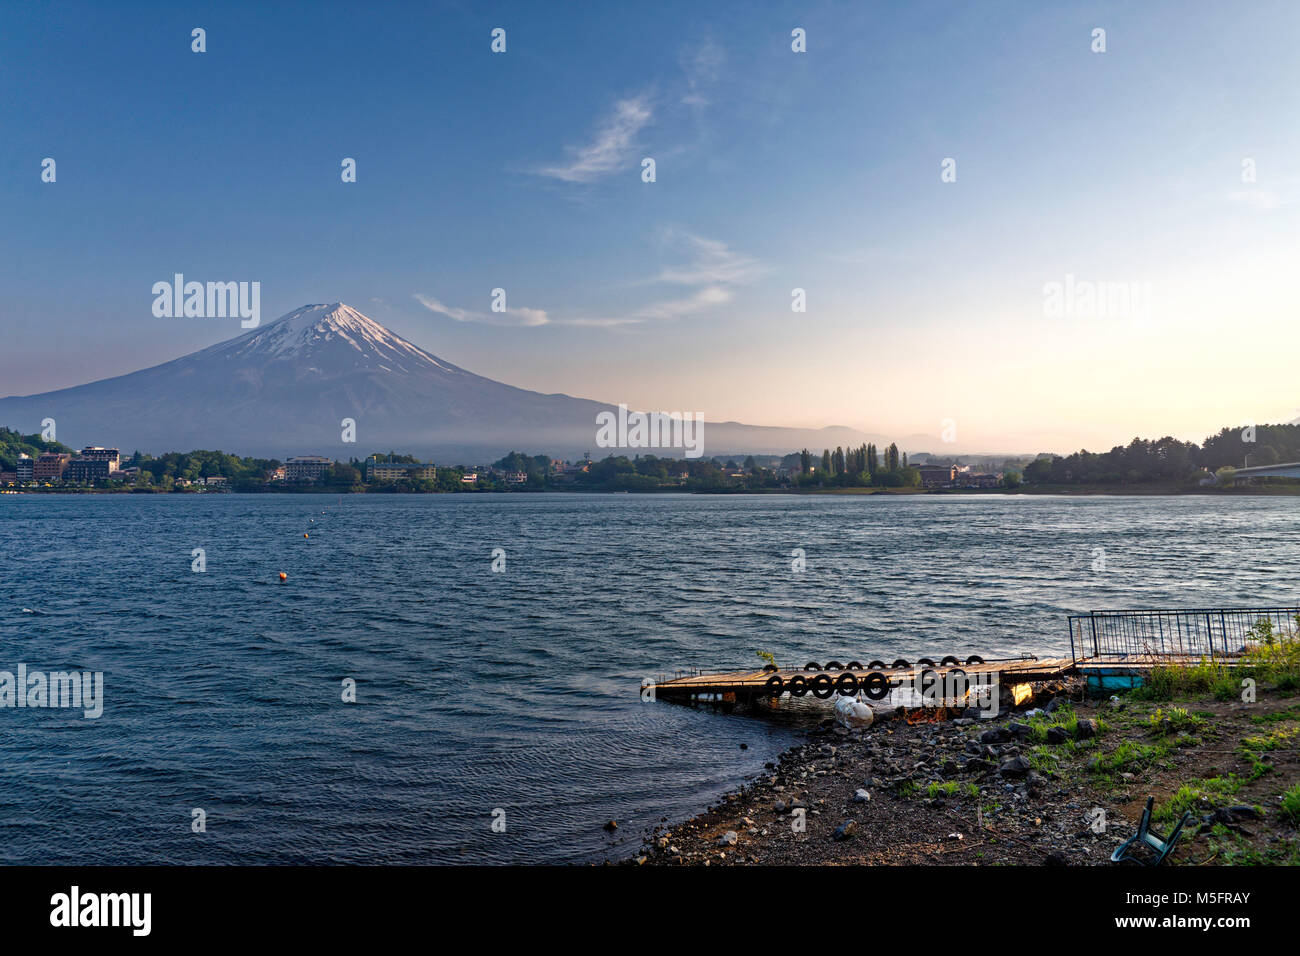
<point x="285" y="388"/>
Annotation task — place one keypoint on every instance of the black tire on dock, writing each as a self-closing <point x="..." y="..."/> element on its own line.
<point x="774" y="686"/>
<point x="821" y="686"/>
<point x="900" y="663"/>
<point x="956" y="681"/>
<point x="876" y="686"/>
<point x="974" y="659"/>
<point x="853" y="666"/>
<point x="846" y="685"/>
<point x="769" y="668"/>
<point x="876" y="666"/>
<point x="797" y="685"/>
<point x="834" y="666"/>
<point x="812" y="666"/>
<point x="926" y="662"/>
<point x="949" y="661"/>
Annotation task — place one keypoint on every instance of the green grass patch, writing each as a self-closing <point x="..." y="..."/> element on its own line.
<point x="1277" y="716"/>
<point x="952" y="789"/>
<point x="1129" y="755"/>
<point x="1231" y="849"/>
<point x="1262" y="743"/>
<point x="1290" y="808"/>
<point x="1202" y="679"/>
<point x="1211" y="793"/>
<point x="1173" y="720"/>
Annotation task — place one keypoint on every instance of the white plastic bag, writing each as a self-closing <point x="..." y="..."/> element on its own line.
<point x="853" y="713"/>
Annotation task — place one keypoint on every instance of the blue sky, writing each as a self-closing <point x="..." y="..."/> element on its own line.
<point x="775" y="170"/>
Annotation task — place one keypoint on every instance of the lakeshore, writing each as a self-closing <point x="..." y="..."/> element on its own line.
<point x="1060" y="781"/>
<point x="1072" y="491"/>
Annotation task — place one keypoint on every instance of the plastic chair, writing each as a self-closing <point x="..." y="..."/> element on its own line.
<point x="1162" y="845"/>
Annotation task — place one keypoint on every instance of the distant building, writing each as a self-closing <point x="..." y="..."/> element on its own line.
<point x="50" y="466"/>
<point x="96" y="453"/>
<point x="937" y="476"/>
<point x="86" y="471"/>
<point x="215" y="481"/>
<point x="26" y="468"/>
<point x="8" y="477"/>
<point x="306" y="468"/>
<point x="469" y="479"/>
<point x="516" y="478"/>
<point x="396" y="471"/>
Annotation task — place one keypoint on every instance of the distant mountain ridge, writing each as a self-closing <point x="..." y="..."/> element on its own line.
<point x="284" y="389"/>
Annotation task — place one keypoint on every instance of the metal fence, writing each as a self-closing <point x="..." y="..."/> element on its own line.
<point x="1198" y="633"/>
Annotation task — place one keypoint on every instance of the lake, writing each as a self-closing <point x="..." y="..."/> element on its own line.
<point x="511" y="695"/>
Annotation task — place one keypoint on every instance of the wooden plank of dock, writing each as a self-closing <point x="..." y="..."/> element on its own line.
<point x="754" y="683"/>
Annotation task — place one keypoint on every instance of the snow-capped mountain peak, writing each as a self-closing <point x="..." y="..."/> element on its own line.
<point x="334" y="327"/>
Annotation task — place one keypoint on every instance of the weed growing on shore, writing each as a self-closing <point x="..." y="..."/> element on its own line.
<point x="1272" y="657"/>
<point x="1175" y="720"/>
<point x="1254" y="748"/>
<point x="1277" y="716"/>
<point x="1208" y="794"/>
<point x="1043" y="760"/>
<point x="1290" y="808"/>
<point x="1063" y="716"/>
<point x="1232" y="849"/>
<point x="1128" y="756"/>
<point x="952" y="789"/>
<point x="1204" y="678"/>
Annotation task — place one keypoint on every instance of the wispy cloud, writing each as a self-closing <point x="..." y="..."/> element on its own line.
<point x="712" y="266"/>
<point x="510" y="317"/>
<point x="611" y="148"/>
<point x="711" y="261"/>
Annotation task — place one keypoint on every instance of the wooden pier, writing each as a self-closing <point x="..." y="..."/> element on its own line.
<point x="747" y="686"/>
<point x="1112" y="649"/>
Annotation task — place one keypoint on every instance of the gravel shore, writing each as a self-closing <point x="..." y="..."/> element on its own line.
<point x="1059" y="781"/>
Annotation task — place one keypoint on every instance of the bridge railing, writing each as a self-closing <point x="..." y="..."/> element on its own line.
<point x="1197" y="632"/>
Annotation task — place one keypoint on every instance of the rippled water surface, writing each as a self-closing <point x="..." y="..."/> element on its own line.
<point x="515" y="690"/>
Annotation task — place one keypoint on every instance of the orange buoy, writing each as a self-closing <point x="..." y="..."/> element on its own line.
<point x="283" y="576"/>
<point x="304" y="534"/>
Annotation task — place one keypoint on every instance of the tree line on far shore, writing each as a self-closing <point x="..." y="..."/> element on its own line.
<point x="1168" y="460"/>
<point x="861" y="467"/>
<point x="1165" y="461"/>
